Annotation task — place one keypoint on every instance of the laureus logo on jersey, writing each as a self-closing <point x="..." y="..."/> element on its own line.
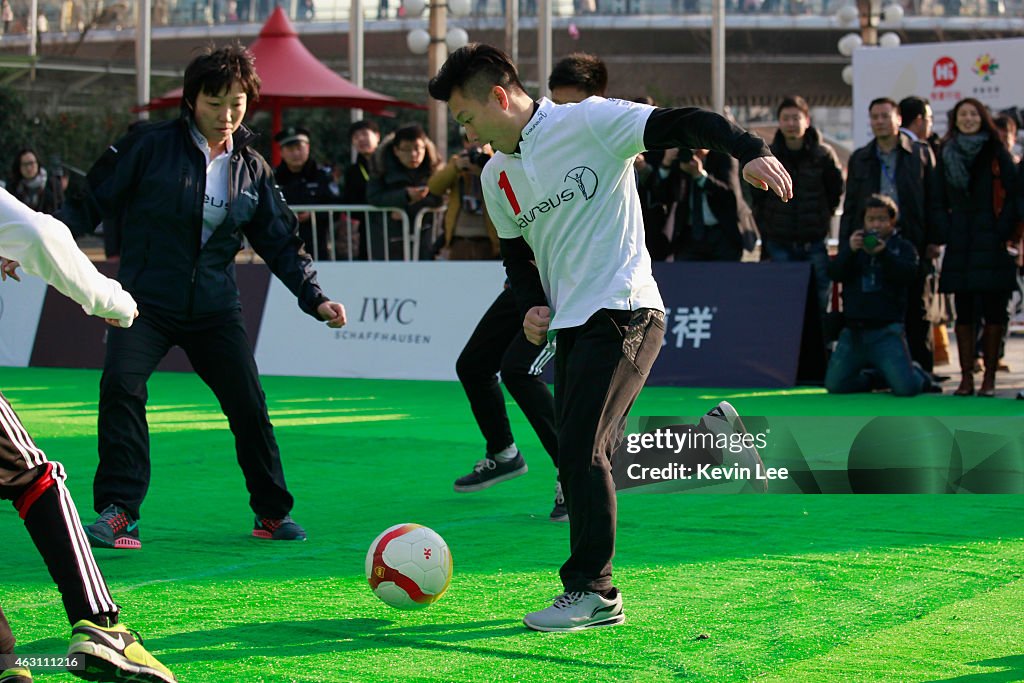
<point x="585" y="179"/>
<point x="580" y="180"/>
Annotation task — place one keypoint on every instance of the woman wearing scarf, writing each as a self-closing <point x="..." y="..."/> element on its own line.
<point x="975" y="212"/>
<point x="32" y="185"/>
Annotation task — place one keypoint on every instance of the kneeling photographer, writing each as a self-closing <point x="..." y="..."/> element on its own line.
<point x="876" y="268"/>
<point x="468" y="232"/>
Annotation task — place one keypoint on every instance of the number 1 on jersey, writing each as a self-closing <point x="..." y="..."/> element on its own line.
<point x="504" y="184"/>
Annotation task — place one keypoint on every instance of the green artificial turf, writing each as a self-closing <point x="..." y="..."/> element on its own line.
<point x="717" y="587"/>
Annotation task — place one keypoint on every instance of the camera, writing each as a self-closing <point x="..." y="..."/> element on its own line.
<point x="477" y="156"/>
<point x="870" y="239"/>
<point x="685" y="155"/>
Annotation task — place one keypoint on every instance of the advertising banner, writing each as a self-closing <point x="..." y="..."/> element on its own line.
<point x="731" y="324"/>
<point x="944" y="73"/>
<point x="405" y="320"/>
<point x="68" y="338"/>
<point x="21" y="304"/>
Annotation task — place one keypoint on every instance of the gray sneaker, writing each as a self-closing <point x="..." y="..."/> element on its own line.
<point x="575" y="611"/>
<point x="488" y="472"/>
<point x="723" y="419"/>
<point x="559" y="513"/>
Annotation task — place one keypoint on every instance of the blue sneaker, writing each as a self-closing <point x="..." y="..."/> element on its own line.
<point x="278" y="529"/>
<point x="114" y="528"/>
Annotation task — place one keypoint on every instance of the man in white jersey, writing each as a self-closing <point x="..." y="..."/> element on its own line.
<point x="35" y="485"/>
<point x="561" y="193"/>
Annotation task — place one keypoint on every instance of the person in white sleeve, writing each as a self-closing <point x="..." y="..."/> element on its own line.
<point x="561" y="192"/>
<point x="101" y="649"/>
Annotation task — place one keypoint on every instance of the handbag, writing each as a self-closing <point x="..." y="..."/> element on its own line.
<point x="935" y="309"/>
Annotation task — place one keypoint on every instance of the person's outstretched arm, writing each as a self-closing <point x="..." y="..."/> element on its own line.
<point x="43" y="246"/>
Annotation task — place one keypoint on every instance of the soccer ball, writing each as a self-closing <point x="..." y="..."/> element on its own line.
<point x="409" y="566"/>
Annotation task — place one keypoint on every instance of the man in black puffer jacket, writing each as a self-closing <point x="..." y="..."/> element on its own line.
<point x="797" y="230"/>
<point x="186" y="193"/>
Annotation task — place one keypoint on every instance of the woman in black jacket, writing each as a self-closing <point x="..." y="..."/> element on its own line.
<point x="186" y="192"/>
<point x="974" y="211"/>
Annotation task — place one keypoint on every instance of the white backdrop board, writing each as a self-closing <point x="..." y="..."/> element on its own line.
<point x="20" y="306"/>
<point x="944" y="73"/>
<point x="405" y="320"/>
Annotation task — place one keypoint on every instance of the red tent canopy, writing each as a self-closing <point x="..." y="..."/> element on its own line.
<point x="292" y="77"/>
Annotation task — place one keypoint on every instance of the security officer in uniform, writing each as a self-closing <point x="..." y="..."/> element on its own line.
<point x="303" y="182"/>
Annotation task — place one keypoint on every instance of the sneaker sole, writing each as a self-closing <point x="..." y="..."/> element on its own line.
<point x="267" y="536"/>
<point x="104" y="664"/>
<point x="491" y="482"/>
<point x="612" y="621"/>
<point x="122" y="543"/>
<point x="558" y="518"/>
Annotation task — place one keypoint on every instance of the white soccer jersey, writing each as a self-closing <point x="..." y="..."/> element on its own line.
<point x="571" y="193"/>
<point x="44" y="247"/>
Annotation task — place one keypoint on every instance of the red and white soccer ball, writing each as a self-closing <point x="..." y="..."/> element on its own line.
<point x="409" y="566"/>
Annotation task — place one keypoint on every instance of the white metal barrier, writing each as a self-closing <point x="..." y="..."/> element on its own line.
<point x="346" y="220"/>
<point x="436" y="227"/>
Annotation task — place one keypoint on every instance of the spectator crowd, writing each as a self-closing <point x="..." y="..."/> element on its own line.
<point x="929" y="234"/>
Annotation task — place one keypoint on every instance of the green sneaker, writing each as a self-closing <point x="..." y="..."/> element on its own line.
<point x="114" y="528"/>
<point x="113" y="653"/>
<point x="16" y="675"/>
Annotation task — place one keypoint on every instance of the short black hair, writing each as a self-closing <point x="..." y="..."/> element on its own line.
<point x="365" y="124"/>
<point x="793" y="102"/>
<point x="912" y="107"/>
<point x="213" y="72"/>
<point x="882" y="201"/>
<point x="474" y="69"/>
<point x="580" y="70"/>
<point x="883" y="100"/>
<point x="410" y="132"/>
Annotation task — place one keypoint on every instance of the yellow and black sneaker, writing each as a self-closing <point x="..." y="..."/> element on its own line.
<point x="113" y="653"/>
<point x="16" y="675"/>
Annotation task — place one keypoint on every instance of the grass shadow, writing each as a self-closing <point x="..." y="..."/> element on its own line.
<point x="323" y="636"/>
<point x="1012" y="670"/>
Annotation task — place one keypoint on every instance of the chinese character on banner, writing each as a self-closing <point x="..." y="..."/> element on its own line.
<point x="693" y="324"/>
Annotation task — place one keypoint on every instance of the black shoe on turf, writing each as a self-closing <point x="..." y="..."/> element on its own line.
<point x="559" y="513"/>
<point x="114" y="528"/>
<point x="278" y="529"/>
<point x="488" y="472"/>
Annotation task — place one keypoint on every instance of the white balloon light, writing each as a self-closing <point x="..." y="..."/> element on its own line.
<point x="889" y="39"/>
<point x="459" y="7"/>
<point x="848" y="74"/>
<point x="456" y="38"/>
<point x="418" y="41"/>
<point x="893" y="14"/>
<point x="847" y="15"/>
<point x="848" y="43"/>
<point x="414" y="8"/>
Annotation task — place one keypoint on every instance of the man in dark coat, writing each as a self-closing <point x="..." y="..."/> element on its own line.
<point x="894" y="165"/>
<point x="303" y="182"/>
<point x="706" y="220"/>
